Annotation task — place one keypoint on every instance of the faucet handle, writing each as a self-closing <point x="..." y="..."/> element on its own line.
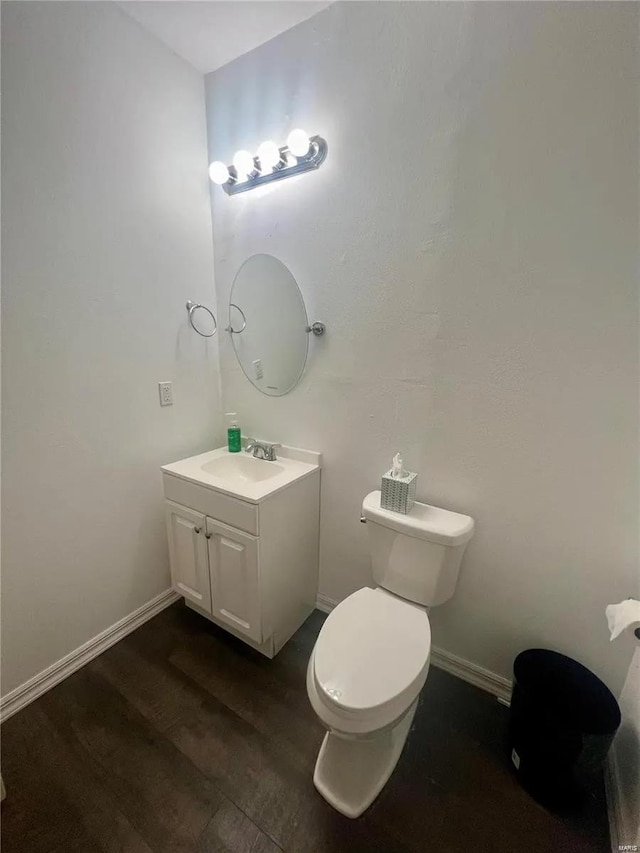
<point x="250" y="444"/>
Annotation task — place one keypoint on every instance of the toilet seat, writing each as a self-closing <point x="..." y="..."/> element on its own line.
<point x="370" y="661"/>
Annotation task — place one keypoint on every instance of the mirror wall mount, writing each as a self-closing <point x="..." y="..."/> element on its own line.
<point x="318" y="329"/>
<point x="270" y="164"/>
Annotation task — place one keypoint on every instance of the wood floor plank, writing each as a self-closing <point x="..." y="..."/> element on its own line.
<point x="64" y="770"/>
<point x="472" y="790"/>
<point x="163" y="795"/>
<point x="235" y="677"/>
<point x="181" y="738"/>
<point x="37" y="816"/>
<point x="282" y="715"/>
<point x="272" y="785"/>
<point x="231" y="831"/>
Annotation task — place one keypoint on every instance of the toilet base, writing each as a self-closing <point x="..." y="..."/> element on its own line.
<point x="350" y="773"/>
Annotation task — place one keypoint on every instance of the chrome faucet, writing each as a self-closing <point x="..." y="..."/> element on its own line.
<point x="262" y="449"/>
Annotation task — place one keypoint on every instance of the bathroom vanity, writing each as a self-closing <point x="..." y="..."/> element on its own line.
<point x="243" y="540"/>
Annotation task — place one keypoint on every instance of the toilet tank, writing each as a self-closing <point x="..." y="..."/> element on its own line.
<point x="416" y="556"/>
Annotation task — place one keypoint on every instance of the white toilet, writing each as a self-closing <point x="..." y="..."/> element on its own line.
<point x="371" y="658"/>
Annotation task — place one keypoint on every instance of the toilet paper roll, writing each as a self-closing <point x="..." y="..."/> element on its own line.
<point x="624" y="617"/>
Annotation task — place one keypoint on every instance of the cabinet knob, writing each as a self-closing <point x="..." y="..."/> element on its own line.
<point x="197" y="529"/>
<point x="207" y="536"/>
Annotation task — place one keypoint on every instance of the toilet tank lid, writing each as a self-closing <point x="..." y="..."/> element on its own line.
<point x="423" y="522"/>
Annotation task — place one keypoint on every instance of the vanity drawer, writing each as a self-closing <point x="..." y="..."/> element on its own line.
<point x="231" y="511"/>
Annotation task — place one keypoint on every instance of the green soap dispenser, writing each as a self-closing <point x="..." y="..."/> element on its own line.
<point x="234" y="436"/>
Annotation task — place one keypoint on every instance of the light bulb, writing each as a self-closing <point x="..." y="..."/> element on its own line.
<point x="269" y="155"/>
<point x="243" y="164"/>
<point x="298" y="142"/>
<point x="218" y="172"/>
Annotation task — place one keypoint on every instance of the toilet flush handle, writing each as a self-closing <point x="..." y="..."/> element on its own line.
<point x="363" y="520"/>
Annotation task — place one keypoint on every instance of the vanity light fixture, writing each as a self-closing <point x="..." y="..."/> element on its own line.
<point x="301" y="154"/>
<point x="269" y="156"/>
<point x="219" y="173"/>
<point x="244" y="165"/>
<point x="298" y="143"/>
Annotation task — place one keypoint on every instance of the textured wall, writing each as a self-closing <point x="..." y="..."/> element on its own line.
<point x="106" y="232"/>
<point x="470" y="243"/>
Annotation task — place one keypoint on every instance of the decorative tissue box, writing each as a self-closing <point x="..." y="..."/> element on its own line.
<point x="398" y="493"/>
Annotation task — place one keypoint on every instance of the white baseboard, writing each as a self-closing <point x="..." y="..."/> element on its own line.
<point x="57" y="672"/>
<point x="485" y="679"/>
<point x="325" y="604"/>
<point x="491" y="682"/>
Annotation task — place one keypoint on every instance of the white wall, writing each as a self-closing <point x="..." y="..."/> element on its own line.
<point x="470" y="243"/>
<point x="106" y="232"/>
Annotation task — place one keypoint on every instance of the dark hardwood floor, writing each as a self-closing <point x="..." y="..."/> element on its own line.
<point x="181" y="738"/>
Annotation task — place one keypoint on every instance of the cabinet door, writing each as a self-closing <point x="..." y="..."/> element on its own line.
<point x="235" y="578"/>
<point x="188" y="554"/>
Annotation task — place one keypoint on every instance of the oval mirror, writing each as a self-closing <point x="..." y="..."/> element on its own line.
<point x="268" y="325"/>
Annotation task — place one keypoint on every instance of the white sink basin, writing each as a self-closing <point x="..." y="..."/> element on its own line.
<point x="246" y="468"/>
<point x="243" y="476"/>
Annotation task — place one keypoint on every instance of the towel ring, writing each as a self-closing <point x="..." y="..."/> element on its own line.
<point x="244" y="321"/>
<point x="193" y="306"/>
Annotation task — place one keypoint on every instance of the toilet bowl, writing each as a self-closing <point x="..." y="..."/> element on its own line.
<point x="364" y="677"/>
<point x="371" y="658"/>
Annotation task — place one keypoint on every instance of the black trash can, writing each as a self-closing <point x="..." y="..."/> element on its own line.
<point x="562" y="723"/>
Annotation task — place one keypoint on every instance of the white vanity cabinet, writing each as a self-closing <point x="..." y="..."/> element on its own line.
<point x="235" y="579"/>
<point x="188" y="554"/>
<point x="247" y="557"/>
